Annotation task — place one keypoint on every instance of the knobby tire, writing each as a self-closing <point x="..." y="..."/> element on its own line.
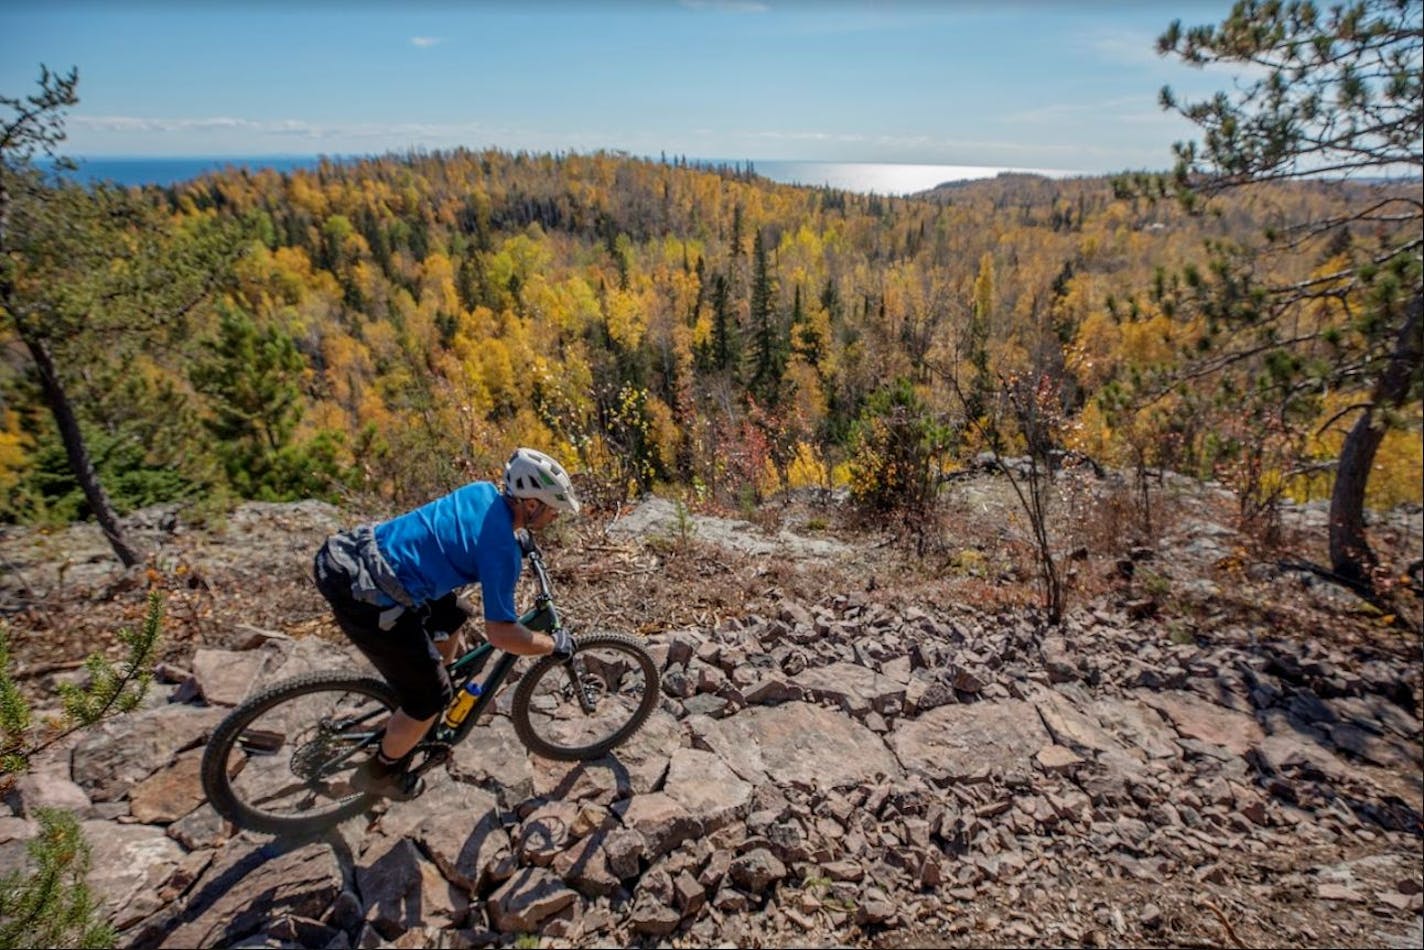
<point x="217" y="783"/>
<point x="628" y="646"/>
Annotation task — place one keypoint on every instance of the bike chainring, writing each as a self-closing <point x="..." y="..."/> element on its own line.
<point x="435" y="753"/>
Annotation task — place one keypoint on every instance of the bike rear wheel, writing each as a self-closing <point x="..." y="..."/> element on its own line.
<point x="618" y="681"/>
<point x="281" y="762"/>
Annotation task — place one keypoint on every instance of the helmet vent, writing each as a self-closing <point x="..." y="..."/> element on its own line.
<point x="532" y="474"/>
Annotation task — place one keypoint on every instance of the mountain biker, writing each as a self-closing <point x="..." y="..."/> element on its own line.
<point x="392" y="587"/>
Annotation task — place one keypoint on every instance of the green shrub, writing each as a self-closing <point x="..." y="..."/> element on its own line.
<point x="49" y="904"/>
<point x="112" y="688"/>
<point x="897" y="446"/>
<point x="48" y="493"/>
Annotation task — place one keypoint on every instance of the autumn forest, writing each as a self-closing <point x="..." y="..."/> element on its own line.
<point x="388" y="328"/>
<point x="392" y="326"/>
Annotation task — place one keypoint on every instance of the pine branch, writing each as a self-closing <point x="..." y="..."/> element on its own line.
<point x="111" y="689"/>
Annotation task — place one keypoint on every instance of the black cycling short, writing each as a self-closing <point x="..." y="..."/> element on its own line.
<point x="405" y="654"/>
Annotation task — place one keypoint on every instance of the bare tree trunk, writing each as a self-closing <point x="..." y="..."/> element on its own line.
<point x="79" y="463"/>
<point x="1351" y="556"/>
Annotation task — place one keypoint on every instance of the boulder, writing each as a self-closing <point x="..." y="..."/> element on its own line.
<point x="128" y="866"/>
<point x="1196" y="718"/>
<point x="401" y="890"/>
<point x="251" y="885"/>
<point x="660" y="819"/>
<point x="171" y="792"/>
<point x="526" y="899"/>
<point x="462" y="833"/>
<point x="797" y="744"/>
<point x="756" y="870"/>
<point x="118" y="753"/>
<point x="225" y="677"/>
<point x="855" y="688"/>
<point x="963" y="742"/>
<point x="705" y="786"/>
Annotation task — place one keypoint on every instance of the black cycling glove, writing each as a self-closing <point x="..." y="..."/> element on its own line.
<point x="563" y="644"/>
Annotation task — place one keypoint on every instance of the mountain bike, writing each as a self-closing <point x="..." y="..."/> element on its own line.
<point x="281" y="762"/>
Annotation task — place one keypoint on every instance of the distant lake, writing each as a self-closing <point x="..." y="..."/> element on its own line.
<point x="168" y="171"/>
<point x="882" y="178"/>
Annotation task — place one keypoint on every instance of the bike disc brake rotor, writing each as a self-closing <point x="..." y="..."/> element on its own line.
<point x="288" y="763"/>
<point x="312" y="761"/>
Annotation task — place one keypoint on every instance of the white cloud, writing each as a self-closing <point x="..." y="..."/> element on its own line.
<point x="199" y="134"/>
<point x="725" y="6"/>
<point x="1116" y="108"/>
<point x="783" y="136"/>
<point x="1138" y="49"/>
<point x="424" y="41"/>
<point x="1127" y="47"/>
<point x="126" y="123"/>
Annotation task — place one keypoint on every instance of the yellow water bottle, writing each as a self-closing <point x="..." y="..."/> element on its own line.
<point x="462" y="705"/>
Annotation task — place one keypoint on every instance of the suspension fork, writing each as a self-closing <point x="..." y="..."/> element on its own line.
<point x="545" y="619"/>
<point x="587" y="701"/>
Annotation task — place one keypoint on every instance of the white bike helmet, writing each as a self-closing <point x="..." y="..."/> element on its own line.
<point x="532" y="474"/>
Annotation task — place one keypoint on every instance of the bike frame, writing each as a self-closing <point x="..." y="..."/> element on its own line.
<point x="542" y="617"/>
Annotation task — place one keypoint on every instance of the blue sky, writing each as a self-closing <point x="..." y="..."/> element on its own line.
<point x="1018" y="83"/>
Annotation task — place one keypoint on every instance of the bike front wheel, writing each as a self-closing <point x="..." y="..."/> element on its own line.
<point x="281" y="762"/>
<point x="581" y="709"/>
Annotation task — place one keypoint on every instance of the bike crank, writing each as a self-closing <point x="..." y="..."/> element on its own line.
<point x="435" y="753"/>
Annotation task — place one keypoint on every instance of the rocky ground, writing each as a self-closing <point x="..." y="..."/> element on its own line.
<point x="863" y="741"/>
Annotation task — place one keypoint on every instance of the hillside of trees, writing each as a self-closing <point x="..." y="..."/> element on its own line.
<point x="392" y="326"/>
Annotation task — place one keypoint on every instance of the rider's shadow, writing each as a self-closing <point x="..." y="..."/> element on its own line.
<point x="400" y="891"/>
<point x="486" y="855"/>
<point x="539" y="833"/>
<point x="254" y="885"/>
<point x="585" y="780"/>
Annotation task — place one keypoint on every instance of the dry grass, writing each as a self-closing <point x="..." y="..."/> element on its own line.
<point x="978" y="551"/>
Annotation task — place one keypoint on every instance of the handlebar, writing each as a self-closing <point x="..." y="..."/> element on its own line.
<point x="527" y="546"/>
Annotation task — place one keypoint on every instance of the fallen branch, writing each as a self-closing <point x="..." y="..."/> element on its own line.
<point x="1226" y="924"/>
<point x="1380" y="600"/>
<point x="46" y="668"/>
